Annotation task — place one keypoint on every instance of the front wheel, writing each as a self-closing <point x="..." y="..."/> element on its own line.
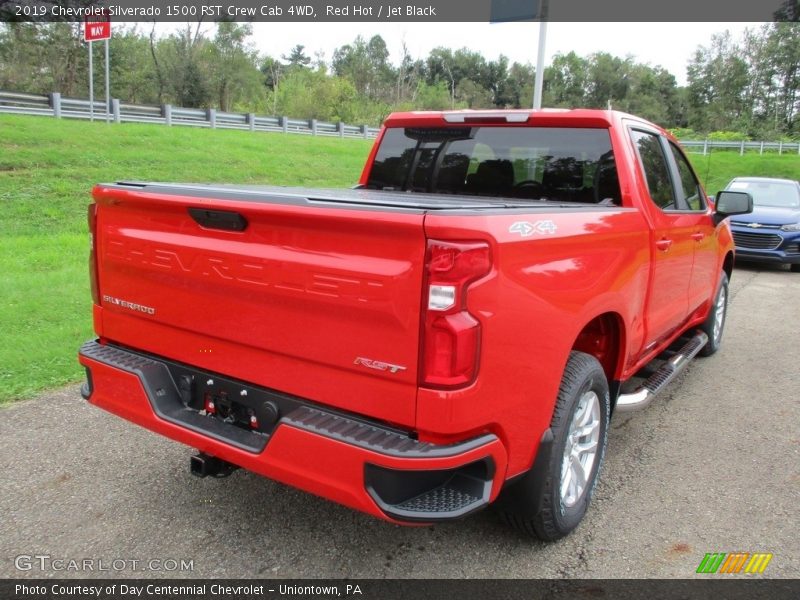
<point x="552" y="498"/>
<point x="795" y="268"/>
<point x="714" y="324"/>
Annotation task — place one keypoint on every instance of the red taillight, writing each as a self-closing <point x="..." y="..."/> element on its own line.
<point x="92" y="217"/>
<point x="451" y="335"/>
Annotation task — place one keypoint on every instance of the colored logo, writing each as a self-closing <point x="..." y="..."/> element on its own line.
<point x="734" y="562"/>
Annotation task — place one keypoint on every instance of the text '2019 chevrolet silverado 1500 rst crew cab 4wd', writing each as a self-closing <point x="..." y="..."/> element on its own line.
<point x="453" y="332"/>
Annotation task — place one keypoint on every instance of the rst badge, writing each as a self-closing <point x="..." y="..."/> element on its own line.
<point x="378" y="365"/>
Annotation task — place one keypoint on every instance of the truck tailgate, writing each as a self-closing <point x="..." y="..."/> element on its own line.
<point x="317" y="300"/>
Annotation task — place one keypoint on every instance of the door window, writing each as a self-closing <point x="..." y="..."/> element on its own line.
<point x="692" y="193"/>
<point x="656" y="169"/>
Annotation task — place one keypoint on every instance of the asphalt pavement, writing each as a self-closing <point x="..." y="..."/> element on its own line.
<point x="713" y="465"/>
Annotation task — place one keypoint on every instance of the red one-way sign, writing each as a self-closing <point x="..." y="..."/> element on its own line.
<point x="96" y="28"/>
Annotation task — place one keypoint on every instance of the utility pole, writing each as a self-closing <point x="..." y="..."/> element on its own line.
<point x="539" y="79"/>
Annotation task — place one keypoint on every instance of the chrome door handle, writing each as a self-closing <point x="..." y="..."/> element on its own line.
<point x="663" y="245"/>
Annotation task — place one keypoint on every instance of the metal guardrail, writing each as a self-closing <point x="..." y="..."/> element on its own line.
<point x="743" y="146"/>
<point x="54" y="105"/>
<point x="122" y="112"/>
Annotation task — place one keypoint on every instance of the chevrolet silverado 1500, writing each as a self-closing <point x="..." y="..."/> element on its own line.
<point x="454" y="331"/>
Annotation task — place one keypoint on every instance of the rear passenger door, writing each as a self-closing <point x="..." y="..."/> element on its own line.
<point x="671" y="239"/>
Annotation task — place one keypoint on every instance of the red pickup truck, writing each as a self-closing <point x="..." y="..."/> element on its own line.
<point x="454" y="331"/>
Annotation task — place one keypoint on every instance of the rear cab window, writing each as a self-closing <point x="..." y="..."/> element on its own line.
<point x="535" y="163"/>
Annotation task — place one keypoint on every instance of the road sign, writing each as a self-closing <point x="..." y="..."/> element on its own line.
<point x="502" y="11"/>
<point x="96" y="28"/>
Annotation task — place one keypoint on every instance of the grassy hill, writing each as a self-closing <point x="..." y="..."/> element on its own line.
<point x="718" y="168"/>
<point x="47" y="169"/>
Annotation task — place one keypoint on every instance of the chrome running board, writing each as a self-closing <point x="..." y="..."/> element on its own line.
<point x="665" y="374"/>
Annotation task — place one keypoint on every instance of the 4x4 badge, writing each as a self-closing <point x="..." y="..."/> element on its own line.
<point x="527" y="229"/>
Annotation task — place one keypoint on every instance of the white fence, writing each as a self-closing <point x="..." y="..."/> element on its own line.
<point x="54" y="105"/>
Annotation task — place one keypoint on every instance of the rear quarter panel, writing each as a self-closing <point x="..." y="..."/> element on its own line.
<point x="542" y="290"/>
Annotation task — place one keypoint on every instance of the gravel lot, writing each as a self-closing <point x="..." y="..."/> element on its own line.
<point x="713" y="465"/>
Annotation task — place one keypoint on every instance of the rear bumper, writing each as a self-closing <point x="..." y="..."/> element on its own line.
<point x="361" y="464"/>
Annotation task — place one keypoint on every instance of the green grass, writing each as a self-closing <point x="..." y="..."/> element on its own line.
<point x="717" y="168"/>
<point x="48" y="167"/>
<point x="47" y="170"/>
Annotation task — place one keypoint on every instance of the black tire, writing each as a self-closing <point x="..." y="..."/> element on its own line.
<point x="795" y="268"/>
<point x="708" y="326"/>
<point x="533" y="504"/>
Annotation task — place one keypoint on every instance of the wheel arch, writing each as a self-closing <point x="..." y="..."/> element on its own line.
<point x="604" y="338"/>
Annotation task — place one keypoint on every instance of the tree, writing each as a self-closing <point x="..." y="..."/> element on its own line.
<point x="21" y="57"/>
<point x="297" y="57"/>
<point x="43" y="58"/>
<point x="233" y="65"/>
<point x="474" y="94"/>
<point x="272" y="71"/>
<point x="186" y="69"/>
<point x="566" y="81"/>
<point x="366" y="65"/>
<point x="518" y="89"/>
<point x="751" y="85"/>
<point x="434" y="97"/>
<point x="312" y="94"/>
<point x="133" y="74"/>
<point x="718" y="79"/>
<point x="440" y="69"/>
<point x="407" y="76"/>
<point x="495" y="75"/>
<point x="608" y="80"/>
<point x="783" y="48"/>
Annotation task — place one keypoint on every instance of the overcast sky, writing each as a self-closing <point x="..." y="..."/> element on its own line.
<point x="670" y="45"/>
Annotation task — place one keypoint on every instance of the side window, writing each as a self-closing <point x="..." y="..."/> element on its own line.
<point x="691" y="188"/>
<point x="656" y="169"/>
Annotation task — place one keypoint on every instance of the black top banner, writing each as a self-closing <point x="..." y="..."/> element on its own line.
<point x="403" y="10"/>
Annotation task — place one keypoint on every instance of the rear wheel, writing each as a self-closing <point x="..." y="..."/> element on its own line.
<point x="552" y="498"/>
<point x="714" y="325"/>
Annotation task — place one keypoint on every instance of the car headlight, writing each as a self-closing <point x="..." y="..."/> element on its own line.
<point x="791" y="227"/>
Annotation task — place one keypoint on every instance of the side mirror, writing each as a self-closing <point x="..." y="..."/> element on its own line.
<point x="729" y="203"/>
